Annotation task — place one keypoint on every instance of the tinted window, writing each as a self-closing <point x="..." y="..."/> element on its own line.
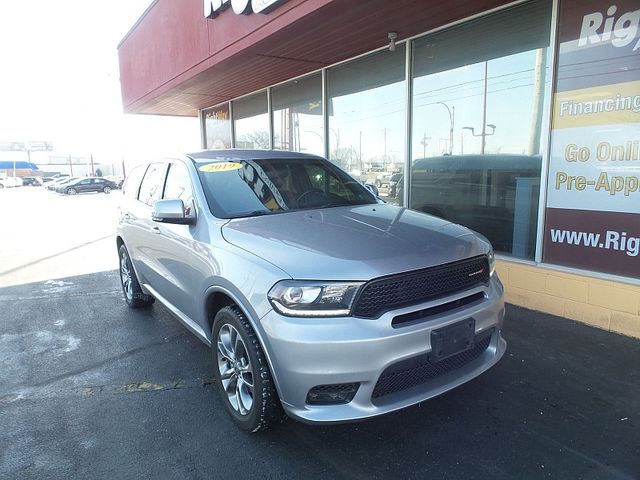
<point x="258" y="187"/>
<point x="178" y="185"/>
<point x="152" y="183"/>
<point x="132" y="183"/>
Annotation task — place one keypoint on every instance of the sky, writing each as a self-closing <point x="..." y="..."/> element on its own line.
<point x="60" y="82"/>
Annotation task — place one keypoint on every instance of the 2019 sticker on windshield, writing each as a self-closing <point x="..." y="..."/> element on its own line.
<point x="220" y="167"/>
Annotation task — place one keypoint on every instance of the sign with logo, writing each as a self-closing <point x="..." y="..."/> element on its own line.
<point x="212" y="8"/>
<point x="217" y="127"/>
<point x="593" y="196"/>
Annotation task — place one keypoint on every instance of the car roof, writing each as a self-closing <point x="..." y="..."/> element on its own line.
<point x="504" y="161"/>
<point x="246" y="154"/>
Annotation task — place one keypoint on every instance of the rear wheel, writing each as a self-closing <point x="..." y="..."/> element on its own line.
<point x="133" y="294"/>
<point x="242" y="373"/>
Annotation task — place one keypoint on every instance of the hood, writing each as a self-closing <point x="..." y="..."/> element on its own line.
<point x="353" y="243"/>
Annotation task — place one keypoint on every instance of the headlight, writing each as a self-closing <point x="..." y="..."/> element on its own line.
<point x="492" y="262"/>
<point x="313" y="299"/>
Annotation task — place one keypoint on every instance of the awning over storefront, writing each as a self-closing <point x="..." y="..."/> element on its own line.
<point x="174" y="61"/>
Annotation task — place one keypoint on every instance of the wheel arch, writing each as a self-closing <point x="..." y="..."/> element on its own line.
<point x="218" y="297"/>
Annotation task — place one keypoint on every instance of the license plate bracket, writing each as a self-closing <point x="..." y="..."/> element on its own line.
<point x="452" y="339"/>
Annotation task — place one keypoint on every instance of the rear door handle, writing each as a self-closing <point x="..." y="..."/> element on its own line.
<point x="126" y="216"/>
<point x="155" y="230"/>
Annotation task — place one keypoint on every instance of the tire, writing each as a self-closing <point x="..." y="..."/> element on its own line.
<point x="71" y="191"/>
<point x="106" y="189"/>
<point x="133" y="294"/>
<point x="237" y="354"/>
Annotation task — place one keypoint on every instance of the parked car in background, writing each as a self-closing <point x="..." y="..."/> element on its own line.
<point x="32" y="181"/>
<point x="54" y="184"/>
<point x="395" y="179"/>
<point x="9" y="182"/>
<point x="86" y="185"/>
<point x="315" y="296"/>
<point x="117" y="180"/>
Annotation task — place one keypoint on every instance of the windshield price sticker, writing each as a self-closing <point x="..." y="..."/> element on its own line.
<point x="220" y="167"/>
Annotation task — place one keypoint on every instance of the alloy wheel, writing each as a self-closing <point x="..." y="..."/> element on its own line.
<point x="235" y="369"/>
<point x="125" y="276"/>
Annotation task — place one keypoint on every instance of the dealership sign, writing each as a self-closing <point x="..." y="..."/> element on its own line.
<point x="593" y="194"/>
<point x="212" y="8"/>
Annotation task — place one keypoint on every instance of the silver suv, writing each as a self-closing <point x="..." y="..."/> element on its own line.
<point x="316" y="297"/>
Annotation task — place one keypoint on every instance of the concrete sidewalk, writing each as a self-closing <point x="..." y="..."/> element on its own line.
<point x="91" y="389"/>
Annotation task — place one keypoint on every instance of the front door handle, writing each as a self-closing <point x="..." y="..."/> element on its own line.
<point x="155" y="230"/>
<point x="126" y="216"/>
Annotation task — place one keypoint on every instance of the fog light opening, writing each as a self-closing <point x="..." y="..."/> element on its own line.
<point x="339" y="393"/>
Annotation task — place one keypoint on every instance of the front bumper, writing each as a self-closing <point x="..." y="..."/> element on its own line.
<point x="307" y="352"/>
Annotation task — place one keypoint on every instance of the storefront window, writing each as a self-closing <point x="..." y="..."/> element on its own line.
<point x="251" y="121"/>
<point x="217" y="126"/>
<point x="478" y="103"/>
<point x="297" y="115"/>
<point x="367" y="111"/>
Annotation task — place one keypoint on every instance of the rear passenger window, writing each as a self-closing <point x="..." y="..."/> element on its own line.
<point x="132" y="183"/>
<point x="151" y="187"/>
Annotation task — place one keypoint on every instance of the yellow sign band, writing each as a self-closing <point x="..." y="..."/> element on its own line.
<point x="220" y="167"/>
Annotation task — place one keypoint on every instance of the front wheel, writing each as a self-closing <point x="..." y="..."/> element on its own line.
<point x="106" y="189"/>
<point x="71" y="191"/>
<point x="242" y="374"/>
<point x="133" y="294"/>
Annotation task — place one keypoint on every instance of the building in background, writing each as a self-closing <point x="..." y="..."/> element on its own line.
<point x="519" y="119"/>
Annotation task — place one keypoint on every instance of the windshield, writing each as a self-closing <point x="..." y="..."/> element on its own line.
<point x="244" y="188"/>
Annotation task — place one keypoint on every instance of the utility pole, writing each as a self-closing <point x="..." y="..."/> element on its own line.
<point x="70" y="165"/>
<point x="93" y="172"/>
<point x="484" y="111"/>
<point x="452" y="116"/>
<point x="384" y="159"/>
<point x="360" y="152"/>
<point x="424" y="142"/>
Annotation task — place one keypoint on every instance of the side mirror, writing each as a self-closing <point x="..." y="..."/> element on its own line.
<point x="171" y="211"/>
<point x="372" y="188"/>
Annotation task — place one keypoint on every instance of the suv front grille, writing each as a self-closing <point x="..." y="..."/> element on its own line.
<point x="418" y="370"/>
<point x="409" y="288"/>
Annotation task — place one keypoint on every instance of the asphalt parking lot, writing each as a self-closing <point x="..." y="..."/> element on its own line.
<point x="91" y="389"/>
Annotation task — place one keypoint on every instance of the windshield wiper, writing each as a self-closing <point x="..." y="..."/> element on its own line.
<point x="255" y="213"/>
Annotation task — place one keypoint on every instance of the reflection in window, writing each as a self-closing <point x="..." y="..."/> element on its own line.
<point x="265" y="186"/>
<point x="478" y="96"/>
<point x="217" y="127"/>
<point x="367" y="110"/>
<point x="251" y="121"/>
<point x="297" y="115"/>
<point x="151" y="187"/>
<point x="178" y="186"/>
